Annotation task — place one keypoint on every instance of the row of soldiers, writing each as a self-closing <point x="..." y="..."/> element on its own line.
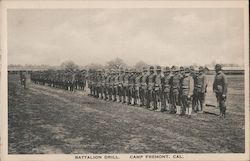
<point x="63" y="79"/>
<point x="177" y="90"/>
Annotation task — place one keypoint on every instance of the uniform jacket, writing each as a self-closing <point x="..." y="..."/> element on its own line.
<point x="201" y="83"/>
<point x="220" y="83"/>
<point x="187" y="85"/>
<point x="166" y="82"/>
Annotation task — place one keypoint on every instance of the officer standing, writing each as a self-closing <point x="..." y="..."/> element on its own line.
<point x="187" y="86"/>
<point x="220" y="88"/>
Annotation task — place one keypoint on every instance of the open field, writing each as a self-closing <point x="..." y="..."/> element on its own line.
<point x="47" y="120"/>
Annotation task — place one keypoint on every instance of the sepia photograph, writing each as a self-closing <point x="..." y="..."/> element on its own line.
<point x="127" y="80"/>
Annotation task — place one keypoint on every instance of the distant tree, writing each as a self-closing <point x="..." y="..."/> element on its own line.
<point x="93" y="66"/>
<point x="69" y="66"/>
<point x="140" y="65"/>
<point x="116" y="64"/>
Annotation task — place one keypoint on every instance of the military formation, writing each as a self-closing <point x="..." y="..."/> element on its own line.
<point x="68" y="80"/>
<point x="177" y="90"/>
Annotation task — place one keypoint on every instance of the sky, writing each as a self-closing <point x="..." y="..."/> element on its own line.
<point x="166" y="36"/>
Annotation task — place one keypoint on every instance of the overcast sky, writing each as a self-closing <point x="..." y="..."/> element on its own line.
<point x="156" y="36"/>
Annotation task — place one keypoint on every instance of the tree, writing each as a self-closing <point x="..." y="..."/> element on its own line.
<point x="140" y="65"/>
<point x="69" y="66"/>
<point x="116" y="64"/>
<point x="94" y="66"/>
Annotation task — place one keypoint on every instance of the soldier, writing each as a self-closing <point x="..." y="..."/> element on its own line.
<point x="166" y="89"/>
<point x="126" y="86"/>
<point x="201" y="86"/>
<point x="109" y="85"/>
<point x="116" y="86"/>
<point x="99" y="83"/>
<point x="181" y="75"/>
<point x="151" y="84"/>
<point x="158" y="89"/>
<point x="106" y="85"/>
<point x="112" y="85"/>
<point x="90" y="82"/>
<point x="220" y="88"/>
<point x="175" y="91"/>
<point x="138" y="88"/>
<point x="187" y="86"/>
<point x="120" y="87"/>
<point x="194" y="74"/>
<point x="103" y="78"/>
<point x="144" y="86"/>
<point x="131" y="85"/>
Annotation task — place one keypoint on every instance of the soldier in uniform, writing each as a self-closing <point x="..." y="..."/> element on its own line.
<point x="166" y="89"/>
<point x="120" y="86"/>
<point x="158" y="89"/>
<point x="106" y="85"/>
<point x="131" y="85"/>
<point x="99" y="83"/>
<point x="103" y="78"/>
<point x="201" y="86"/>
<point x="116" y="86"/>
<point x="111" y="82"/>
<point x="220" y="88"/>
<point x="151" y="84"/>
<point x="109" y="85"/>
<point x="126" y="86"/>
<point x="144" y="86"/>
<point x="187" y="86"/>
<point x="175" y="91"/>
<point x="138" y="88"/>
<point x="194" y="74"/>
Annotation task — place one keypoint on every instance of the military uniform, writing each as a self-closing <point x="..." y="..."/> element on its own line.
<point x="220" y="88"/>
<point x="175" y="91"/>
<point x="116" y="86"/>
<point x="120" y="86"/>
<point x="126" y="87"/>
<point x="166" y="89"/>
<point x="158" y="89"/>
<point x="138" y="89"/>
<point x="151" y="85"/>
<point x="144" y="86"/>
<point x="187" y="86"/>
<point x="131" y="84"/>
<point x="201" y="87"/>
<point x="194" y="74"/>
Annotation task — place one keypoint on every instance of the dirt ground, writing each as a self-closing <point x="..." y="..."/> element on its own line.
<point x="48" y="120"/>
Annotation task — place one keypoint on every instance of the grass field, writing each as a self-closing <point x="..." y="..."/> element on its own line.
<point x="47" y="120"/>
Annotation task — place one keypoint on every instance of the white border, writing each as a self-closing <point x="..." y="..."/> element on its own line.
<point x="117" y="4"/>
